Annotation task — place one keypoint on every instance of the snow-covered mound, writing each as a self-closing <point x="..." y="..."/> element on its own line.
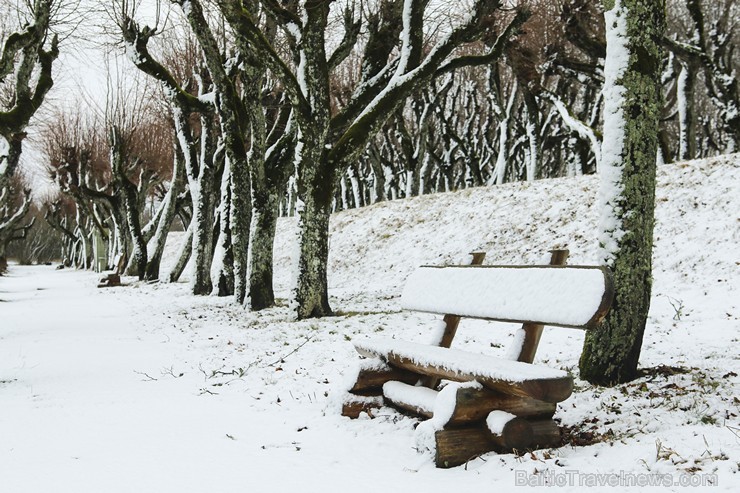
<point x="374" y="248"/>
<point x="147" y="388"/>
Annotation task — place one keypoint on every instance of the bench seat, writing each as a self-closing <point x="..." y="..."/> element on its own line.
<point x="510" y="377"/>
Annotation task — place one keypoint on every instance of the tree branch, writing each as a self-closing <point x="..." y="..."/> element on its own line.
<point x="137" y="41"/>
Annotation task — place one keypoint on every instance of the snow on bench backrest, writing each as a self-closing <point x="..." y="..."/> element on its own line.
<point x="548" y="295"/>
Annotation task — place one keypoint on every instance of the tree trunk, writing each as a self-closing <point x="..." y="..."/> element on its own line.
<point x="532" y="123"/>
<point x="183" y="256"/>
<point x="627" y="196"/>
<point x="139" y="255"/>
<point x="123" y="239"/>
<point x="155" y="248"/>
<point x="378" y="174"/>
<point x="575" y="158"/>
<point x="316" y="192"/>
<point x="3" y="257"/>
<point x="222" y="268"/>
<point x="311" y="292"/>
<point x="202" y="223"/>
<point x="264" y="221"/>
<point x="504" y="132"/>
<point x="425" y="175"/>
<point x="686" y="120"/>
<point x="354" y="182"/>
<point x="127" y="198"/>
<point x="241" y="214"/>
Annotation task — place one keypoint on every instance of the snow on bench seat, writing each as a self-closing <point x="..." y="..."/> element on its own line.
<point x="547" y="295"/>
<point x="511" y="377"/>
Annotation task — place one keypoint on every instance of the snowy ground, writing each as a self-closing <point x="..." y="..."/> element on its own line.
<point x="145" y="388"/>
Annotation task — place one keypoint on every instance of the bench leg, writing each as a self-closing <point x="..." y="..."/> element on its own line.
<point x="457" y="446"/>
<point x="370" y="380"/>
<point x="366" y="393"/>
<point x="353" y="405"/>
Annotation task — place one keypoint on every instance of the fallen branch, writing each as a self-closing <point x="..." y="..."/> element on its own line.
<point x="282" y="358"/>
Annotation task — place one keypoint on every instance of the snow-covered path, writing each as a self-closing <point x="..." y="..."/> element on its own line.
<point x="75" y="415"/>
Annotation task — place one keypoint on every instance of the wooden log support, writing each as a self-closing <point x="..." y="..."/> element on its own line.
<point x="533" y="332"/>
<point x="545" y="434"/>
<point x="474" y="405"/>
<point x="456" y="446"/>
<point x="552" y="390"/>
<point x="353" y="406"/>
<point x="509" y="432"/>
<point x="370" y="380"/>
<point x="417" y="400"/>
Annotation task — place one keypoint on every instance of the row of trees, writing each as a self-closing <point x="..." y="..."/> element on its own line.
<point x="253" y="106"/>
<point x="538" y="111"/>
<point x="535" y="113"/>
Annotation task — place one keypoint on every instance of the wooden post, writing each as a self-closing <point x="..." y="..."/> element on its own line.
<point x="475" y="404"/>
<point x="533" y="332"/>
<point x="456" y="446"/>
<point x="452" y="321"/>
<point x="451" y="324"/>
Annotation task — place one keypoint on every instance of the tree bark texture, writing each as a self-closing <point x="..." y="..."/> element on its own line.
<point x="222" y="268"/>
<point x="315" y="192"/>
<point x="611" y="351"/>
<point x="164" y="223"/>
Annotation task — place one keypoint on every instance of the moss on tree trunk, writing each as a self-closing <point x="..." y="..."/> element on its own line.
<point x="316" y="190"/>
<point x="611" y="351"/>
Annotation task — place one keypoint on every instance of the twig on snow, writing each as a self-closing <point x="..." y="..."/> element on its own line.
<point x="147" y="377"/>
<point x="282" y="358"/>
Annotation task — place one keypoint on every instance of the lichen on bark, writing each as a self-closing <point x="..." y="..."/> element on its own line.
<point x="611" y="351"/>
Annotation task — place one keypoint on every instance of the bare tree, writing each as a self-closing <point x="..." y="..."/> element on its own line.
<point x="27" y="56"/>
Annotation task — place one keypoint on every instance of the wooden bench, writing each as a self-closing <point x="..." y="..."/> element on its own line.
<point x="112" y="279"/>
<point x="499" y="404"/>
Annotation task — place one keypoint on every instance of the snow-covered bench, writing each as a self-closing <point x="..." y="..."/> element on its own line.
<point x="112" y="278"/>
<point x="499" y="403"/>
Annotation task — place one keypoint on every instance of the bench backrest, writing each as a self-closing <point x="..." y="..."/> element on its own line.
<point x="565" y="296"/>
